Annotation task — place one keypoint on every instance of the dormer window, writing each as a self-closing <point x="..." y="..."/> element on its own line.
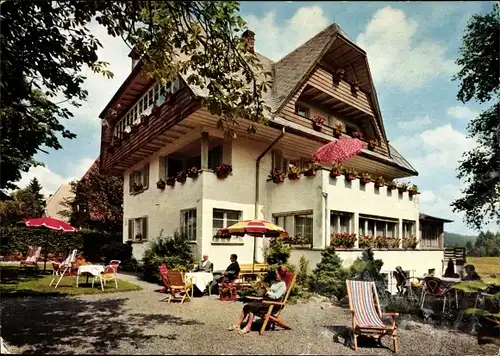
<point x="302" y="111"/>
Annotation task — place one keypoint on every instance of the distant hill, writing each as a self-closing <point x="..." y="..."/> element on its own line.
<point x="451" y="239"/>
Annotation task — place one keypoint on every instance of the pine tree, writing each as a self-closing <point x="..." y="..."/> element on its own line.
<point x="36" y="189"/>
<point x="329" y="276"/>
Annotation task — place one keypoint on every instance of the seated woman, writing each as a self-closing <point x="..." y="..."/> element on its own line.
<point x="276" y="292"/>
<point x="472" y="275"/>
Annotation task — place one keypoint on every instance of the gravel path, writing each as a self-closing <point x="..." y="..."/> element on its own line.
<point x="138" y="323"/>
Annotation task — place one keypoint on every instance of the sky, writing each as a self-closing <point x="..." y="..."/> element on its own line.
<point x="411" y="48"/>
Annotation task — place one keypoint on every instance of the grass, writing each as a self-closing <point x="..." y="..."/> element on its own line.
<point x="15" y="281"/>
<point x="485" y="266"/>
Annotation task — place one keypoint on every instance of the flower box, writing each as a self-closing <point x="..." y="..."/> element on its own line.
<point x="342" y="240"/>
<point x="365" y="178"/>
<point x="391" y="186"/>
<point x="338" y="75"/>
<point x="355" y="87"/>
<point x="277" y="176"/>
<point x="193" y="172"/>
<point x="161" y="184"/>
<point x="170" y="181"/>
<point x="334" y="173"/>
<point x="294" y="173"/>
<point x="413" y="190"/>
<point x="401" y="190"/>
<point x="181" y="177"/>
<point x="366" y="241"/>
<point x="337" y="131"/>
<point x="310" y="171"/>
<point x="318" y="123"/>
<point x="223" y="170"/>
<point x="372" y="144"/>
<point x="379" y="182"/>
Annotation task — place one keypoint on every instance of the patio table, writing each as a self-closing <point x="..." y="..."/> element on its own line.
<point x="199" y="279"/>
<point x="94" y="270"/>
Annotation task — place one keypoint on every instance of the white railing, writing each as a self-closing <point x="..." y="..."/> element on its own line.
<point x="155" y="95"/>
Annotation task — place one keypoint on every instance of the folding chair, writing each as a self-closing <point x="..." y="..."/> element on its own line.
<point x="61" y="269"/>
<point x="177" y="287"/>
<point x="437" y="288"/>
<point x="366" y="314"/>
<point x="109" y="274"/>
<point x="32" y="256"/>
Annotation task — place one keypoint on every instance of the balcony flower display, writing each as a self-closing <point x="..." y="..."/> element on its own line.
<point x="355" y="86"/>
<point x="337" y="130"/>
<point x="391" y="185"/>
<point x="343" y="240"/>
<point x="338" y="75"/>
<point x="311" y="170"/>
<point x="223" y="170"/>
<point x="299" y="240"/>
<point x="336" y="170"/>
<point x="379" y="182"/>
<point x="367" y="241"/>
<point x="350" y="174"/>
<point x="413" y="190"/>
<point x="170" y="181"/>
<point x="193" y="172"/>
<point x="137" y="187"/>
<point x="318" y="122"/>
<point x="402" y="187"/>
<point x="181" y="177"/>
<point x="365" y="178"/>
<point x="372" y="144"/>
<point x="357" y="134"/>
<point x="161" y="184"/>
<point x="410" y="242"/>
<point x="294" y="173"/>
<point x="387" y="242"/>
<point x="277" y="176"/>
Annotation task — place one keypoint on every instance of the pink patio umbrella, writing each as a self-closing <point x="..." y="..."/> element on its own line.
<point x="338" y="151"/>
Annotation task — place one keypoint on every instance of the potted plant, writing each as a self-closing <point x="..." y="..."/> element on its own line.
<point x="228" y="291"/>
<point x="294" y="173"/>
<point x="161" y="184"/>
<point x="410" y="242"/>
<point x="350" y="174"/>
<point x="223" y="170"/>
<point x="391" y="185"/>
<point x="379" y="182"/>
<point x="310" y="171"/>
<point x="366" y="241"/>
<point x="338" y="75"/>
<point x="137" y="187"/>
<point x="318" y="122"/>
<point x="277" y="176"/>
<point x="355" y="86"/>
<point x="144" y="120"/>
<point x="181" y="177"/>
<point x="372" y="144"/>
<point x="193" y="172"/>
<point x="365" y="178"/>
<point x="357" y="134"/>
<point x="138" y="237"/>
<point x="413" y="190"/>
<point x="337" y="130"/>
<point x="170" y="181"/>
<point x="336" y="170"/>
<point x="402" y="187"/>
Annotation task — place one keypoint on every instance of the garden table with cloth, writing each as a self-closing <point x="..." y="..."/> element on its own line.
<point x="199" y="279"/>
<point x="94" y="270"/>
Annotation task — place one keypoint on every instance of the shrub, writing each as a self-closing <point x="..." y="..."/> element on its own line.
<point x="329" y="276"/>
<point x="276" y="255"/>
<point x="302" y="285"/>
<point x="173" y="251"/>
<point x="367" y="268"/>
<point x="117" y="251"/>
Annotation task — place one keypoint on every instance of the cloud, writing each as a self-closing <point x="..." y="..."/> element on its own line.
<point x="415" y="124"/>
<point x="396" y="57"/>
<point x="461" y="112"/>
<point x="50" y="180"/>
<point x="276" y="40"/>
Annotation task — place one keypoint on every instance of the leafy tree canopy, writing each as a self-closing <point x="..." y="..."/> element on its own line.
<point x="479" y="80"/>
<point x="24" y="205"/>
<point x="47" y="44"/>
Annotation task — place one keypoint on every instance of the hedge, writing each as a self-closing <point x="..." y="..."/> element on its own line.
<point x="15" y="240"/>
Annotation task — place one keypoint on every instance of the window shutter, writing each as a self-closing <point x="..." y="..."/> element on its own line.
<point x="130" y="181"/>
<point x="145" y="228"/>
<point x="145" y="176"/>
<point x="130" y="229"/>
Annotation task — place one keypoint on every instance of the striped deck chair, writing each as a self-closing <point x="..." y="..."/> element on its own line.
<point x="32" y="256"/>
<point x="366" y="314"/>
<point x="61" y="269"/>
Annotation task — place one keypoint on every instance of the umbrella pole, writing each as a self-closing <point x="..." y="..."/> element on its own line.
<point x="253" y="262"/>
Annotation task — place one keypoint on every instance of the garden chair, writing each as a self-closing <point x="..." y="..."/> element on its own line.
<point x="366" y="313"/>
<point x="177" y="288"/>
<point x="437" y="288"/>
<point x="164" y="277"/>
<point x="32" y="256"/>
<point x="109" y="274"/>
<point x="274" y="312"/>
<point x="115" y="264"/>
<point x="60" y="269"/>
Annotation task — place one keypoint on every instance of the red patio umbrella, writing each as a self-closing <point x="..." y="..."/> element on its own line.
<point x="49" y="223"/>
<point x="338" y="151"/>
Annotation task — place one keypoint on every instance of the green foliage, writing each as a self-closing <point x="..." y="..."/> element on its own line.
<point x="302" y="286"/>
<point x="97" y="203"/>
<point x="487" y="244"/>
<point x="117" y="251"/>
<point x="201" y="39"/>
<point x="36" y="189"/>
<point x="457" y="240"/>
<point x="478" y="76"/>
<point x="278" y="252"/>
<point x="173" y="251"/>
<point x="329" y="276"/>
<point x="23" y="205"/>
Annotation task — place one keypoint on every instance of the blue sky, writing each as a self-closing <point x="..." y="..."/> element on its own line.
<point x="411" y="49"/>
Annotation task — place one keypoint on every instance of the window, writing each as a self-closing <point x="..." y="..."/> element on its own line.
<point x="431" y="235"/>
<point x="302" y="111"/>
<point x="215" y="157"/>
<point x="297" y="224"/>
<point x="378" y="227"/>
<point x="408" y="228"/>
<point x="340" y="222"/>
<point x="304" y="226"/>
<point x="193" y="162"/>
<point x="138" y="229"/>
<point x="284" y="164"/>
<point x="188" y="224"/>
<point x="139" y="179"/>
<point x="224" y="218"/>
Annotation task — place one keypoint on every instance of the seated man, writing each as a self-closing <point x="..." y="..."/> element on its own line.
<point x="231" y="273"/>
<point x="205" y="265"/>
<point x="471" y="274"/>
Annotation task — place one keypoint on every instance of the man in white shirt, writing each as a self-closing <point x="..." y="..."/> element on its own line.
<point x="205" y="265"/>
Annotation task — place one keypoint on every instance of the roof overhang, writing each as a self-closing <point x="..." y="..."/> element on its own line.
<point x="426" y="217"/>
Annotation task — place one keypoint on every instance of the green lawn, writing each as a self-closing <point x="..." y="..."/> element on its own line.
<point x="15" y="281"/>
<point x="485" y="265"/>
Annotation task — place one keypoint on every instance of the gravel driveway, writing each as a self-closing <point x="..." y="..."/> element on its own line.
<point x="138" y="323"/>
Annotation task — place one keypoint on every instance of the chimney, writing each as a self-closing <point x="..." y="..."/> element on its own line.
<point x="135" y="57"/>
<point x="249" y="37"/>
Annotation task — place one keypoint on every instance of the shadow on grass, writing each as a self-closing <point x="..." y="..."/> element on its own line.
<point x="14" y="275"/>
<point x="56" y="325"/>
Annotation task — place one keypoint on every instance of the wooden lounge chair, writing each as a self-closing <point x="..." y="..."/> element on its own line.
<point x="176" y="287"/>
<point x="164" y="277"/>
<point x="366" y="314"/>
<point x="274" y="312"/>
<point x="32" y="256"/>
<point x="60" y="269"/>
